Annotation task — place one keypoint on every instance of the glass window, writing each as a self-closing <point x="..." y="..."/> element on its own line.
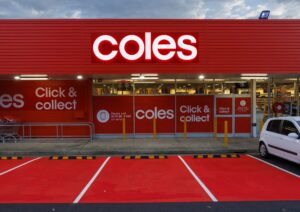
<point x="112" y="88"/>
<point x="274" y="126"/>
<point x="155" y="88"/>
<point x="190" y="88"/>
<point x="288" y="127"/>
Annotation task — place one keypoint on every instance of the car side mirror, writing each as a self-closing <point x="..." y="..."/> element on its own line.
<point x="293" y="135"/>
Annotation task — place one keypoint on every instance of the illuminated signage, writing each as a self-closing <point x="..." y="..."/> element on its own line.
<point x="146" y="47"/>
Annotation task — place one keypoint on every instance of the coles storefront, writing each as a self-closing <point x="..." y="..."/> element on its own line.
<point x="203" y="72"/>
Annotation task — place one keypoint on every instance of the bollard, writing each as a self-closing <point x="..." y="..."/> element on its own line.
<point x="261" y="124"/>
<point x="225" y="133"/>
<point x="124" y="128"/>
<point x="215" y="128"/>
<point x="184" y="129"/>
<point x="154" y="128"/>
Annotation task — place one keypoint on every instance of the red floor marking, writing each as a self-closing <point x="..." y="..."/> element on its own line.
<point x="245" y="179"/>
<point x="47" y="181"/>
<point x="8" y="164"/>
<point x="160" y="180"/>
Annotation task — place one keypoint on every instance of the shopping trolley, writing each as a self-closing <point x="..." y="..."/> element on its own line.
<point x="8" y="130"/>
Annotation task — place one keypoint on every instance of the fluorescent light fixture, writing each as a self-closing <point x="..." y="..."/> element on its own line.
<point x="254" y="75"/>
<point x="17" y="77"/>
<point x="144" y="82"/>
<point x="146" y="75"/>
<point x="79" y="77"/>
<point x="235" y="81"/>
<point x="34" y="78"/>
<point x="33" y="75"/>
<point x="168" y="80"/>
<point x="144" y="78"/>
<point x="216" y="80"/>
<point x="201" y="76"/>
<point x="256" y="78"/>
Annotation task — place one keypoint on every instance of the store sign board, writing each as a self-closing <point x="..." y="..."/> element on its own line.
<point x="162" y="108"/>
<point x="242" y="105"/>
<point x="44" y="101"/>
<point x="109" y="112"/>
<point x="198" y="112"/>
<point x="223" y="106"/>
<point x="146" y="47"/>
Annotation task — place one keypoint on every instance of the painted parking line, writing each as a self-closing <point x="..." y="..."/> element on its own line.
<point x="78" y="198"/>
<point x="277" y="167"/>
<point x="9" y="163"/>
<point x="128" y="181"/>
<point x="245" y="179"/>
<point x="213" y="198"/>
<point x="48" y="181"/>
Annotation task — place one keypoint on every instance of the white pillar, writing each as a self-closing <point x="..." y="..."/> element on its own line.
<point x="253" y="112"/>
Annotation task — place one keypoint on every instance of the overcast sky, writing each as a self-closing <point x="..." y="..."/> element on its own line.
<point x="228" y="9"/>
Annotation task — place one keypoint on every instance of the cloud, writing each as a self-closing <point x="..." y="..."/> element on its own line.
<point x="212" y="9"/>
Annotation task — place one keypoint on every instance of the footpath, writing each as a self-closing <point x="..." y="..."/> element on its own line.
<point x="129" y="146"/>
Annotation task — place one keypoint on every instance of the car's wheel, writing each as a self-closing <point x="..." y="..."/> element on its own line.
<point x="263" y="151"/>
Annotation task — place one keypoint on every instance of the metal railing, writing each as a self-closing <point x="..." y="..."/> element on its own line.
<point x="29" y="130"/>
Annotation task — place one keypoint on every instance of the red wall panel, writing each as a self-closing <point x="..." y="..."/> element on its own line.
<point x="198" y="111"/>
<point x="46" y="101"/>
<point x="160" y="107"/>
<point x="109" y="111"/>
<point x="225" y="46"/>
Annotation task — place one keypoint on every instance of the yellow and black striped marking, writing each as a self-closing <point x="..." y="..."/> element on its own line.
<point x="217" y="156"/>
<point x="72" y="158"/>
<point x="137" y="157"/>
<point x="10" y="158"/>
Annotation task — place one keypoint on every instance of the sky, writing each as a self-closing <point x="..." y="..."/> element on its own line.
<point x="194" y="9"/>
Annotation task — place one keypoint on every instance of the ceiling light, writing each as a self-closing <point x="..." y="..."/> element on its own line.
<point x="254" y="75"/>
<point x="144" y="82"/>
<point x="144" y="78"/>
<point x="33" y="75"/>
<point x="79" y="77"/>
<point x="34" y="78"/>
<point x="256" y="78"/>
<point x="201" y="77"/>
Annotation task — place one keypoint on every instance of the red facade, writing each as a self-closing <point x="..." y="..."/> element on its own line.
<point x="225" y="46"/>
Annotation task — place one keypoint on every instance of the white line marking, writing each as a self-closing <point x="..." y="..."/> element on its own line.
<point x="213" y="198"/>
<point x="84" y="190"/>
<point x="277" y="167"/>
<point x="16" y="167"/>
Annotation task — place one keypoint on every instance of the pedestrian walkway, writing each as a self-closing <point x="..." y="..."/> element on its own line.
<point x="129" y="146"/>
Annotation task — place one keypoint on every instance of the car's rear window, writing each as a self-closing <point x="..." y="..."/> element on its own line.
<point x="274" y="126"/>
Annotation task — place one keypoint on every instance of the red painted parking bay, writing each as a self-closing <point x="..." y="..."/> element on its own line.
<point x="245" y="179"/>
<point x="9" y="164"/>
<point x="152" y="180"/>
<point x="47" y="181"/>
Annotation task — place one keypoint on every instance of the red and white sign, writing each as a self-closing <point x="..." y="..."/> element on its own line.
<point x="278" y="107"/>
<point x="223" y="106"/>
<point x="198" y="112"/>
<point x="162" y="108"/>
<point x="65" y="101"/>
<point x="242" y="105"/>
<point x="109" y="112"/>
<point x="144" y="47"/>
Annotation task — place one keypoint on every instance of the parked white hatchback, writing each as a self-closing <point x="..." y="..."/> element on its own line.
<point x="280" y="137"/>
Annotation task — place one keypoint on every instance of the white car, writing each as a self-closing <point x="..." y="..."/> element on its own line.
<point x="280" y="137"/>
